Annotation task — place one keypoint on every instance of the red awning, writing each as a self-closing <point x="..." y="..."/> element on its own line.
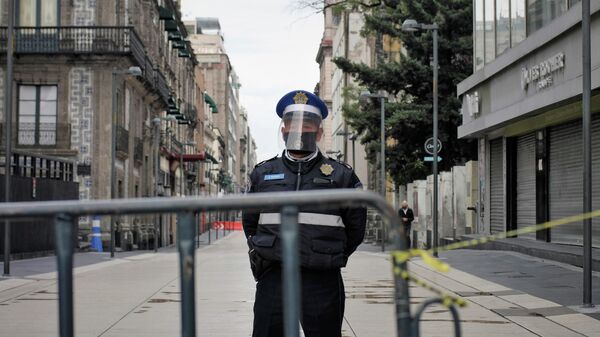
<point x="187" y="157"/>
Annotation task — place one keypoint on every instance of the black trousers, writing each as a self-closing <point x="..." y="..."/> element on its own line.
<point x="322" y="308"/>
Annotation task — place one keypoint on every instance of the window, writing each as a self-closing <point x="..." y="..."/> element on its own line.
<point x="37" y="115"/>
<point x="518" y="28"/>
<point x="490" y="34"/>
<point x="502" y="26"/>
<point x="38" y="13"/>
<point x="478" y="46"/>
<point x="542" y="12"/>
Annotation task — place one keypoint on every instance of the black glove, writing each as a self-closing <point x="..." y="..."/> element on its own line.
<point x="258" y="264"/>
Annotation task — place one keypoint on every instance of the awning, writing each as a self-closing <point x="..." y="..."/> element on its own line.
<point x="187" y="157"/>
<point x="210" y="101"/>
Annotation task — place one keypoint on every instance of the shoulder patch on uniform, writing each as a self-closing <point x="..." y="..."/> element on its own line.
<point x="340" y="162"/>
<point x="265" y="161"/>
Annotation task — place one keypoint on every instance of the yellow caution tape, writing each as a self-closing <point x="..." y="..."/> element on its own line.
<point x="449" y="300"/>
<point x="404" y="256"/>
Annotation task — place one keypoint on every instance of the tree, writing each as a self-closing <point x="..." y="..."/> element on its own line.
<point x="409" y="80"/>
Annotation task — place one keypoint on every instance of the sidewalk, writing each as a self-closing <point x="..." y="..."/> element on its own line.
<point x="138" y="295"/>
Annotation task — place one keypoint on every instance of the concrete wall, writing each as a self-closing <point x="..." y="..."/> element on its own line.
<point x="453" y="200"/>
<point x="459" y="199"/>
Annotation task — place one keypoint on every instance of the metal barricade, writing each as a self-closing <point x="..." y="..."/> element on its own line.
<point x="65" y="212"/>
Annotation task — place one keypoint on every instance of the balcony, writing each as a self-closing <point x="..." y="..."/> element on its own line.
<point x="162" y="87"/>
<point x="99" y="40"/>
<point x="76" y="40"/>
<point x="191" y="113"/>
<point x="122" y="145"/>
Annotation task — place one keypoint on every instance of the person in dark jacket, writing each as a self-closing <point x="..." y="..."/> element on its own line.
<point x="406" y="214"/>
<point x="327" y="237"/>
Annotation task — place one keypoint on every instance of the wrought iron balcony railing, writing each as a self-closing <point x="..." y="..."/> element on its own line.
<point x="78" y="40"/>
<point x="98" y="40"/>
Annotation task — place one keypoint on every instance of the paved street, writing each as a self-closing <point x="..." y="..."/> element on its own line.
<point x="137" y="294"/>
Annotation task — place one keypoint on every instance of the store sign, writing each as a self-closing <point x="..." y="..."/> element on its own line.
<point x="541" y="74"/>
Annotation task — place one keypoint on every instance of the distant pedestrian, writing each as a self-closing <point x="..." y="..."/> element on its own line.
<point x="328" y="236"/>
<point x="406" y="215"/>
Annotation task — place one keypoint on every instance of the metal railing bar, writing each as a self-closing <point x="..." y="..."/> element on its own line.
<point x="63" y="226"/>
<point x="185" y="238"/>
<point x="432" y="301"/>
<point x="326" y="199"/>
<point x="291" y="271"/>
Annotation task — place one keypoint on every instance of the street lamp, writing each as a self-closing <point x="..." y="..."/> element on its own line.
<point x="410" y="25"/>
<point x="156" y="139"/>
<point x="131" y="71"/>
<point x="8" y="126"/>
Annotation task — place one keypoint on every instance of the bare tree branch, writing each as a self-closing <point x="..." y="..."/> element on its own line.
<point x="320" y="6"/>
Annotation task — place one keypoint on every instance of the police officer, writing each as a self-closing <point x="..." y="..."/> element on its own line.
<point x="327" y="237"/>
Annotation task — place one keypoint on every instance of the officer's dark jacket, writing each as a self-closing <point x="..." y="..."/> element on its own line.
<point x="327" y="237"/>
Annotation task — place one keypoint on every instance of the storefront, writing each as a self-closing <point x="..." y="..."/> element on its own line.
<point x="524" y="106"/>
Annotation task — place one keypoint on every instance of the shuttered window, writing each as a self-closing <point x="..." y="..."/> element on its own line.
<point x="566" y="180"/>
<point x="497" y="200"/>
<point x="525" y="189"/>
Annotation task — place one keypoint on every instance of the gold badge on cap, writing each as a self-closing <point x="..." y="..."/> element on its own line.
<point x="326" y="169"/>
<point x="300" y="98"/>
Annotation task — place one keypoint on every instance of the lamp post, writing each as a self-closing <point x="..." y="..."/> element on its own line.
<point x="587" y="151"/>
<point x="156" y="139"/>
<point x="410" y="25"/>
<point x="8" y="126"/>
<point x="381" y="95"/>
<point x="133" y="71"/>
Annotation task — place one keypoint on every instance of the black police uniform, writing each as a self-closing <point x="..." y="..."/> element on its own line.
<point x="327" y="238"/>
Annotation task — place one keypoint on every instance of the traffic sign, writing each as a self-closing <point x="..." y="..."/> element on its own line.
<point x="429" y="146"/>
<point x="430" y="158"/>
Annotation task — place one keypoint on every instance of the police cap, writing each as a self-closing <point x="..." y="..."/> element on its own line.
<point x="311" y="101"/>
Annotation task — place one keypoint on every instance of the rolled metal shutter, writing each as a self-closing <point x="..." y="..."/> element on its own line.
<point x="565" y="180"/>
<point x="526" y="196"/>
<point x="596" y="178"/>
<point x="497" y="223"/>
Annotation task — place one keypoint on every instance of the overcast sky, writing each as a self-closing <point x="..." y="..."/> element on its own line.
<point x="272" y="47"/>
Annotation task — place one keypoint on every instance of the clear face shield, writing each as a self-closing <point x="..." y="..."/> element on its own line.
<point x="301" y="130"/>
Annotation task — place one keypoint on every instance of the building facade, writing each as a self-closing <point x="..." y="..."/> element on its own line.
<point x="349" y="43"/>
<point x="223" y="85"/>
<point x="326" y="66"/>
<point x="74" y="58"/>
<point x="523" y="104"/>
